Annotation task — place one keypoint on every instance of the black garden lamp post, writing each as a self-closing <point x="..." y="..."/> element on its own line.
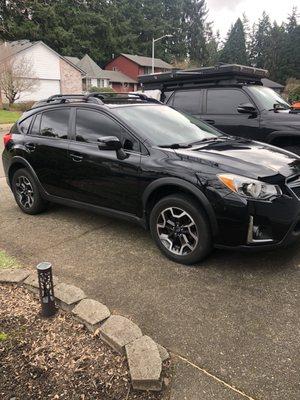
<point x="44" y="270"/>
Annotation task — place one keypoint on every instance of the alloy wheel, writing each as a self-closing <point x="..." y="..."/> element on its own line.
<point x="25" y="192"/>
<point x="177" y="231"/>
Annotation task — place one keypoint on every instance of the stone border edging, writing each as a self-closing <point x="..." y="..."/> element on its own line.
<point x="144" y="356"/>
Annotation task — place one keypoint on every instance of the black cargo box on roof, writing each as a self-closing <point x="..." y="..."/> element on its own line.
<point x="217" y="75"/>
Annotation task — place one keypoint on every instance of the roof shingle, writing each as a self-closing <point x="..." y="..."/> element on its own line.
<point x="147" y="61"/>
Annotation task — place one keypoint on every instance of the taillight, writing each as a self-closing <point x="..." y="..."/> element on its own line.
<point x="7" y="138"/>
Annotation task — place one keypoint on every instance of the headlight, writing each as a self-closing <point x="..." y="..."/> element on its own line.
<point x="250" y="188"/>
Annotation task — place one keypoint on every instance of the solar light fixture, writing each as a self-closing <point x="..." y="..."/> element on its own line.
<point x="45" y="278"/>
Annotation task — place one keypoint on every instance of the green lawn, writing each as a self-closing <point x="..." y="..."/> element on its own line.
<point x="8" y="117"/>
<point x="6" y="261"/>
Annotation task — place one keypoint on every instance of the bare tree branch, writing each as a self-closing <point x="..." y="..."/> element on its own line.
<point x="16" y="75"/>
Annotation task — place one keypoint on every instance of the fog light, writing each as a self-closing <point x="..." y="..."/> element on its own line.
<point x="258" y="233"/>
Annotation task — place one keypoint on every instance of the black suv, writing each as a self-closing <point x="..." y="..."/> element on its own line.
<point x="233" y="99"/>
<point x="140" y="160"/>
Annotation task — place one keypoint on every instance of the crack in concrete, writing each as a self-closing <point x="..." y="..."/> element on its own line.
<point x="219" y="380"/>
<point x="72" y="238"/>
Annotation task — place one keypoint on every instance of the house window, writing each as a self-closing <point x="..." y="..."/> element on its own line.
<point x="125" y="84"/>
<point x="99" y="83"/>
<point x="147" y="70"/>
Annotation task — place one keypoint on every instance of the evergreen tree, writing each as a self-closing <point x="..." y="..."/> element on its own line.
<point x="260" y="42"/>
<point x="196" y="13"/>
<point x="234" y="50"/>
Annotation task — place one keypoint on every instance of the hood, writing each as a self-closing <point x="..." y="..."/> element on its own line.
<point x="245" y="157"/>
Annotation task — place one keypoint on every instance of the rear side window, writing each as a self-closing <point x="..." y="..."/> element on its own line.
<point x="55" y="123"/>
<point x="225" y="101"/>
<point x="189" y="101"/>
<point x="91" y="125"/>
<point x="35" y="129"/>
<point x="25" y="125"/>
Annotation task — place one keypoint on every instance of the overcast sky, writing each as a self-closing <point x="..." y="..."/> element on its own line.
<point x="225" y="12"/>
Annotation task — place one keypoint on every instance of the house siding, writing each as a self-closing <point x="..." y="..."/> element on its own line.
<point x="129" y="67"/>
<point x="45" y="63"/>
<point x="70" y="78"/>
<point x="124" y="65"/>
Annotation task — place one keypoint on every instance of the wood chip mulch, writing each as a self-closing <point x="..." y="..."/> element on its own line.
<point x="57" y="358"/>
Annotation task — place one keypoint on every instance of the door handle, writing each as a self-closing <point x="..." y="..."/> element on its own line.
<point x="210" y="121"/>
<point x="76" y="157"/>
<point x="30" y="146"/>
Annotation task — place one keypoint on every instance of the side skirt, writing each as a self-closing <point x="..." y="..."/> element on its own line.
<point x="109" y="212"/>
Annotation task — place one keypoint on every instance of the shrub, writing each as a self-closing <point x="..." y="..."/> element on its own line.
<point x="95" y="89"/>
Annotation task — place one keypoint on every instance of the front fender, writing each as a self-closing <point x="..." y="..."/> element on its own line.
<point x="187" y="186"/>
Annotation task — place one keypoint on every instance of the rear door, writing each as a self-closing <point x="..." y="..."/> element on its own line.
<point x="47" y="150"/>
<point x="221" y="111"/>
<point x="188" y="101"/>
<point x="98" y="176"/>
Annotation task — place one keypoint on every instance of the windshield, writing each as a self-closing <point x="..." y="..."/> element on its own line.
<point x="268" y="97"/>
<point x="164" y="126"/>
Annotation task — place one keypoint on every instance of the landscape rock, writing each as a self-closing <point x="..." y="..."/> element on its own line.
<point x="145" y="364"/>
<point x="13" y="275"/>
<point x="118" y="331"/>
<point x="91" y="313"/>
<point x="32" y="283"/>
<point x="67" y="296"/>
<point x="164" y="355"/>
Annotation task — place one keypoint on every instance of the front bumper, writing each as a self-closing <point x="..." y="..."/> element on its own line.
<point x="254" y="225"/>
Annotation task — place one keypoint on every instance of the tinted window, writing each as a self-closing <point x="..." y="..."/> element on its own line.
<point x="225" y="101"/>
<point x="35" y="129"/>
<point x="188" y="101"/>
<point x="24" y="125"/>
<point x="91" y="125"/>
<point x="55" y="123"/>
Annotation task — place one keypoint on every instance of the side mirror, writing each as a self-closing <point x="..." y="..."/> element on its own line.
<point x="109" y="143"/>
<point x="112" y="143"/>
<point x="246" y="108"/>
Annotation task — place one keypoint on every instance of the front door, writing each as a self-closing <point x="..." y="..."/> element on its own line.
<point x="98" y="177"/>
<point x="221" y="112"/>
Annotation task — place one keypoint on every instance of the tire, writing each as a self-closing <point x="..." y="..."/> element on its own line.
<point x="27" y="193"/>
<point x="168" y="225"/>
<point x="293" y="149"/>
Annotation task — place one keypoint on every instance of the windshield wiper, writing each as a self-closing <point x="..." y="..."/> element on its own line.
<point x="176" y="146"/>
<point x="208" y="139"/>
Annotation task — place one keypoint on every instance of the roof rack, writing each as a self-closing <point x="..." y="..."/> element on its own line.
<point x="119" y="97"/>
<point x="100" y="98"/>
<point x="221" y="74"/>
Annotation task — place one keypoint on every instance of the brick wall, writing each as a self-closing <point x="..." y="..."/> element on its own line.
<point x="70" y="79"/>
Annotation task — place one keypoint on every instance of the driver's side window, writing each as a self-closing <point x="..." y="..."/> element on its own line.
<point x="91" y="125"/>
<point x="225" y="101"/>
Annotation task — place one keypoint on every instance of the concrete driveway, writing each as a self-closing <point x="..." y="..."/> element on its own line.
<point x="233" y="321"/>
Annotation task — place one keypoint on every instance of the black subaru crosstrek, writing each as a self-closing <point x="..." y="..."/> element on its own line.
<point x="140" y="160"/>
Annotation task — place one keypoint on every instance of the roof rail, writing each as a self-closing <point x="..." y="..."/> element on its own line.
<point x="97" y="97"/>
<point x="119" y="96"/>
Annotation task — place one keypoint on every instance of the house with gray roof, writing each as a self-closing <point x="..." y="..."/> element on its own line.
<point x="98" y="77"/>
<point x="135" y="65"/>
<point x="51" y="72"/>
